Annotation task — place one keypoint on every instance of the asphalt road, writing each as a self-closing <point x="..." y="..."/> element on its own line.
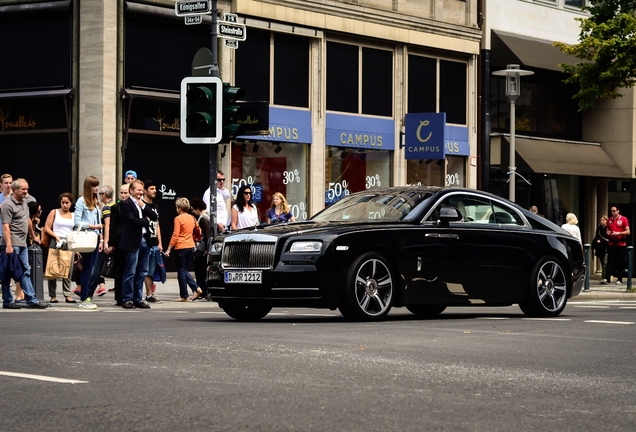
<point x="192" y="368"/>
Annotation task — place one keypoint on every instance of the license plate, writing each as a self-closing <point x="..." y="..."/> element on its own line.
<point x="250" y="277"/>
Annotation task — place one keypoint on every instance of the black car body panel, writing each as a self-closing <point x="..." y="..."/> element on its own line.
<point x="489" y="257"/>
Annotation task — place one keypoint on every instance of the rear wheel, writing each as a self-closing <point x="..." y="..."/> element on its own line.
<point x="246" y="312"/>
<point x="548" y="290"/>
<point x="426" y="310"/>
<point x="369" y="287"/>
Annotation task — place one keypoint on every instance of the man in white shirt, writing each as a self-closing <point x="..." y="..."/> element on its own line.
<point x="222" y="194"/>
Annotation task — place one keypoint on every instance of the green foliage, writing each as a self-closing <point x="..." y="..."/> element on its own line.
<point x="607" y="48"/>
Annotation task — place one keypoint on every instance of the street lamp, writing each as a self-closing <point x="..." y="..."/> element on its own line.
<point x="513" y="90"/>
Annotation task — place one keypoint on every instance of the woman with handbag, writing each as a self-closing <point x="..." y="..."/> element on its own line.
<point x="599" y="244"/>
<point x="200" y="253"/>
<point x="88" y="217"/>
<point x="182" y="242"/>
<point x="58" y="223"/>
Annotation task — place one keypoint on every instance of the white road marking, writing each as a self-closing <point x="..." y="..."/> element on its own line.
<point x="591" y="307"/>
<point x="546" y="319"/>
<point x="609" y="322"/>
<point x="315" y="314"/>
<point x="42" y="378"/>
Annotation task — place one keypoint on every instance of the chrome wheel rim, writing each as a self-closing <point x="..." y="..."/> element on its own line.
<point x="373" y="287"/>
<point x="551" y="286"/>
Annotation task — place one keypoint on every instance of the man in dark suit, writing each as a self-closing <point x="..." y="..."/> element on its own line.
<point x="135" y="217"/>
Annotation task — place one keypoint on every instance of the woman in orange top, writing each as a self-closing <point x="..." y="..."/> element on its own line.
<point x="183" y="243"/>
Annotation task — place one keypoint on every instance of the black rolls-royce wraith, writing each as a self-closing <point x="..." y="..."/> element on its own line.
<point x="422" y="248"/>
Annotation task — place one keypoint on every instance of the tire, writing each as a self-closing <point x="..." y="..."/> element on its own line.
<point x="246" y="312"/>
<point x="369" y="288"/>
<point x="547" y="293"/>
<point x="426" y="311"/>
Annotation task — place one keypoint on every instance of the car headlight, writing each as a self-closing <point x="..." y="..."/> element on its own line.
<point x="306" y="247"/>
<point x="215" y="248"/>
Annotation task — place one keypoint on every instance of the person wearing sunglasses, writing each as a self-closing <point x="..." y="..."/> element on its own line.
<point x="244" y="213"/>
<point x="222" y="195"/>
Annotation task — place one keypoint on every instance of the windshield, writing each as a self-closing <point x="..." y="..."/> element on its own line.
<point x="370" y="205"/>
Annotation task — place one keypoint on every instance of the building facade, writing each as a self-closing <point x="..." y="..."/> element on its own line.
<point x="92" y="88"/>
<point x="578" y="162"/>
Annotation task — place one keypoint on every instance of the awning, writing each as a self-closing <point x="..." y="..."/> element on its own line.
<point x="547" y="156"/>
<point x="514" y="49"/>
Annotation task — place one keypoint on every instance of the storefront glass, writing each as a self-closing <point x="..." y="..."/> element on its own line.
<point x="422" y="172"/>
<point x="350" y="170"/>
<point x="272" y="167"/>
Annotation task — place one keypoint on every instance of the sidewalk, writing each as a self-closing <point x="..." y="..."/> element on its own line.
<point x="611" y="291"/>
<point x="167" y="293"/>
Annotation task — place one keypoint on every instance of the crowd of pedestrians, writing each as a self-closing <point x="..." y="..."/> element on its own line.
<point x="128" y="232"/>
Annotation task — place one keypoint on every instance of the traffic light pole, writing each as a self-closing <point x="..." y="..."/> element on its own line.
<point x="214" y="148"/>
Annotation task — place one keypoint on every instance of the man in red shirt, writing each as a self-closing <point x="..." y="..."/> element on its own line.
<point x="617" y="232"/>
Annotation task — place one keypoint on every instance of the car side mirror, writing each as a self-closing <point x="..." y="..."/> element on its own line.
<point x="448" y="215"/>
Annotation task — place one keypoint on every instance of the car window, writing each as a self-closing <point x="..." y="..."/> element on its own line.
<point x="374" y="206"/>
<point x="504" y="216"/>
<point x="473" y="209"/>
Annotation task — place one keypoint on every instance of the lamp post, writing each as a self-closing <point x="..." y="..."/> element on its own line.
<point x="513" y="90"/>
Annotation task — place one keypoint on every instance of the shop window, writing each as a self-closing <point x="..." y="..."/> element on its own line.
<point x="342" y="77"/>
<point x="424" y="94"/>
<point x="252" y="66"/>
<point x="453" y="91"/>
<point x="422" y="88"/>
<point x="36" y="51"/>
<point x="351" y="69"/>
<point x="424" y="172"/>
<point x="269" y="168"/>
<point x="291" y="70"/>
<point x="350" y="170"/>
<point x="456" y="171"/>
<point x="377" y="82"/>
<point x="158" y="53"/>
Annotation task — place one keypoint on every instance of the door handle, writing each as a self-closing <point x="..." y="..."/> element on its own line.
<point x="438" y="235"/>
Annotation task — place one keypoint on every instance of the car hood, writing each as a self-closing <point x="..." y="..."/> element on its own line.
<point x="315" y="228"/>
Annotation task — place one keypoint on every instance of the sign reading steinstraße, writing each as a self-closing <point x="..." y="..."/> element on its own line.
<point x="230" y="30"/>
<point x="192" y="7"/>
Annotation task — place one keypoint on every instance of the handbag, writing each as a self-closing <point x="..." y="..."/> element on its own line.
<point x="82" y="241"/>
<point x="108" y="267"/>
<point x="59" y="264"/>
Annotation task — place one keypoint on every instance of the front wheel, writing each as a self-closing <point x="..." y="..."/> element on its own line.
<point x="548" y="290"/>
<point x="245" y="312"/>
<point x="368" y="290"/>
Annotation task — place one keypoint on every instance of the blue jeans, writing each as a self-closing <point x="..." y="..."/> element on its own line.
<point x="135" y="271"/>
<point x="25" y="280"/>
<point x="88" y="262"/>
<point x="183" y="275"/>
<point x="95" y="272"/>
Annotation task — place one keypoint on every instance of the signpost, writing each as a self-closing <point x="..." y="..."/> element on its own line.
<point x="231" y="43"/>
<point x="193" y="19"/>
<point x="192" y="7"/>
<point x="231" y="30"/>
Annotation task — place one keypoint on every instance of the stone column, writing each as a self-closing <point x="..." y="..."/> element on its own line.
<point x="97" y="91"/>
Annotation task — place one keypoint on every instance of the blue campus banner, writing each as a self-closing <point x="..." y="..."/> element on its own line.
<point x="359" y="132"/>
<point x="286" y="125"/>
<point x="427" y="136"/>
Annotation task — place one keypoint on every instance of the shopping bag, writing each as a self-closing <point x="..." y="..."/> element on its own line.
<point x="58" y="264"/>
<point x="82" y="241"/>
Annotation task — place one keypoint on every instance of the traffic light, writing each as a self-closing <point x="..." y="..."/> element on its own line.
<point x="232" y="112"/>
<point x="201" y="110"/>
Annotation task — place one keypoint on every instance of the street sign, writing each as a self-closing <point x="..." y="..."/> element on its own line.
<point x="193" y="19"/>
<point x="231" y="43"/>
<point x="230" y="30"/>
<point x="230" y="17"/>
<point x="192" y="7"/>
<point x="202" y="63"/>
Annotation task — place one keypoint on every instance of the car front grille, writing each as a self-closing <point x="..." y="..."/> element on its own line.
<point x="248" y="255"/>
